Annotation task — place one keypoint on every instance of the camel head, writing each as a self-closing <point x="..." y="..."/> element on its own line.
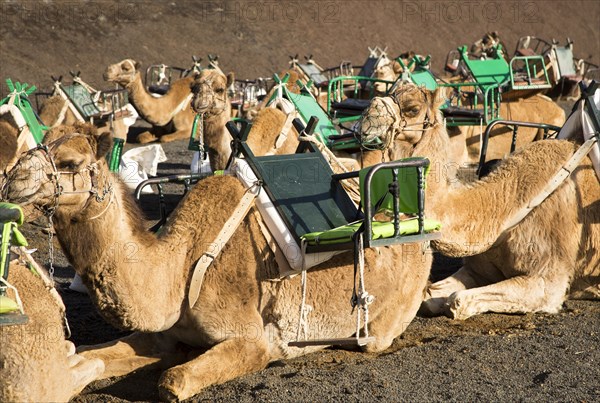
<point x="402" y="117"/>
<point x="210" y="92"/>
<point x="486" y="46"/>
<point x="64" y="173"/>
<point x="385" y="69"/>
<point x="123" y="72"/>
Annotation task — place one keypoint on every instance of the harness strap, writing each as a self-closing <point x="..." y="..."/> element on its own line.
<point x="183" y="105"/>
<point x="221" y="240"/>
<point x="564" y="172"/>
<point x="62" y="114"/>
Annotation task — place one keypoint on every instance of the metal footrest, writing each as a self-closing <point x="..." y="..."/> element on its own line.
<point x="344" y="341"/>
<point x="13" y="318"/>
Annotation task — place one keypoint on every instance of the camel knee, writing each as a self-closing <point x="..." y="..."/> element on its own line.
<point x="146" y="137"/>
<point x="433" y="306"/>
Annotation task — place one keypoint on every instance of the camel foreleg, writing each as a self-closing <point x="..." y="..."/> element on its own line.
<point x="437" y="293"/>
<point x="178" y="135"/>
<point x="225" y="361"/>
<point x="130" y="353"/>
<point x="82" y="371"/>
<point x="519" y="294"/>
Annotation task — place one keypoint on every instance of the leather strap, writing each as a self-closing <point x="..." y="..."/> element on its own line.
<point x="220" y="241"/>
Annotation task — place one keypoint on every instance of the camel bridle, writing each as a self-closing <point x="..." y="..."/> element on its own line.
<point x="205" y="89"/>
<point x="55" y="176"/>
<point x="400" y="123"/>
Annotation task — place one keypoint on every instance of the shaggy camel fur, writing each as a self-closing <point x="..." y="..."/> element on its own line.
<point x="8" y="141"/>
<point x="37" y="364"/>
<point x="533" y="266"/>
<point x="53" y="115"/>
<point x="50" y="112"/>
<point x="242" y="319"/>
<point x="170" y="114"/>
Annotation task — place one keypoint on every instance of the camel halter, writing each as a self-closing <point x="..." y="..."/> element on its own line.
<point x="207" y="90"/>
<point x="55" y="175"/>
<point x="400" y="123"/>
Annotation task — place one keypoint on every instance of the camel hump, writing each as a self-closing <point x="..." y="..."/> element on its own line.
<point x="265" y="129"/>
<point x="206" y="209"/>
<point x="184" y="82"/>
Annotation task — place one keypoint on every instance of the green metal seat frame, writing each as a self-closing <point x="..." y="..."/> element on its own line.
<point x="307" y="106"/>
<point x="354" y="89"/>
<point x="455" y="113"/>
<point x="86" y="109"/>
<point x="498" y="73"/>
<point x="19" y="94"/>
<point x="11" y="217"/>
<point x="311" y="200"/>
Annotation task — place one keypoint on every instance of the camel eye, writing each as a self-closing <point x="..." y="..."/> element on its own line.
<point x="68" y="165"/>
<point x="412" y="110"/>
<point x="220" y="90"/>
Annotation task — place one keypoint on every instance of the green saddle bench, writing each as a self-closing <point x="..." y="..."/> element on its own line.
<point x="11" y="216"/>
<point x="317" y="210"/>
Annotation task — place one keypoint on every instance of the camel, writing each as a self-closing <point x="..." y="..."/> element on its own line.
<point x="170" y="114"/>
<point x="536" y="108"/>
<point x="215" y="108"/>
<point x="243" y="319"/>
<point x="513" y="266"/>
<point x="487" y="47"/>
<point x="37" y="363"/>
<point x="466" y="140"/>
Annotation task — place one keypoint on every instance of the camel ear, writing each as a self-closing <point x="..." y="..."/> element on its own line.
<point x="439" y="98"/>
<point x="397" y="68"/>
<point x="103" y="144"/>
<point x="230" y="79"/>
<point x="137" y="66"/>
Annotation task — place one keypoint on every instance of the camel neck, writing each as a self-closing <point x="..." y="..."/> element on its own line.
<point x="138" y="96"/>
<point x="120" y="264"/>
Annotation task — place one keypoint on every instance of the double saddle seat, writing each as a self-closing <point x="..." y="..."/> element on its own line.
<point x="311" y="216"/>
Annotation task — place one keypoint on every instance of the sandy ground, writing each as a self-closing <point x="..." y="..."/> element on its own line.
<point x="489" y="357"/>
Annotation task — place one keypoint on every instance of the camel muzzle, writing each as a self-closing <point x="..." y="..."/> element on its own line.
<point x="26" y="178"/>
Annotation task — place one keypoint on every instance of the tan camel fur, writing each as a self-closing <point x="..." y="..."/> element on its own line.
<point x="37" y="363"/>
<point x="50" y="112"/>
<point x="8" y="141"/>
<point x="242" y="319"/>
<point x="550" y="255"/>
<point x="209" y="98"/>
<point x="265" y="131"/>
<point x="170" y="114"/>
